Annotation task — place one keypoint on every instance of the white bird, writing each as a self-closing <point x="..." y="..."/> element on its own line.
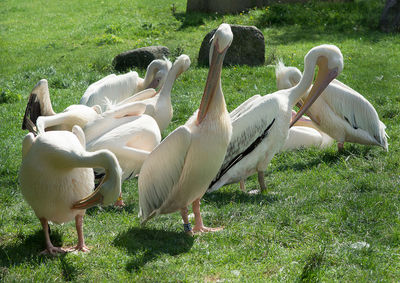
<point x="125" y="130"/>
<point x="305" y="134"/>
<point x="261" y="124"/>
<point x="39" y="105"/>
<point x="117" y="88"/>
<point x="128" y="133"/>
<point x="159" y="104"/>
<point x="57" y="179"/>
<point x="341" y="112"/>
<point x="179" y="171"/>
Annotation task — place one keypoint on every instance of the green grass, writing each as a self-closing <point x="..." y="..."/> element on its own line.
<point x="321" y="207"/>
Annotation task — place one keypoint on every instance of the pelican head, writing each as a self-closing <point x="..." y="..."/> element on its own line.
<point x="158" y="70"/>
<point x="221" y="41"/>
<point x="39" y="104"/>
<point x="184" y="62"/>
<point x="329" y="60"/>
<point x="286" y="77"/>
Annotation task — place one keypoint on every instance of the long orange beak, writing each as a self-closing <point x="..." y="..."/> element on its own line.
<point x="318" y="87"/>
<point x="93" y="199"/>
<point x="214" y="74"/>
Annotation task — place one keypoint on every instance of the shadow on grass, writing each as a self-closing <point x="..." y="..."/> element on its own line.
<point x="28" y="249"/>
<point x="222" y="197"/>
<point x="146" y="245"/>
<point x="328" y="157"/>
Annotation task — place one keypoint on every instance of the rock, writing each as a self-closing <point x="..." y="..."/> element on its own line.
<point x="390" y="19"/>
<point x="247" y="48"/>
<point x="139" y="58"/>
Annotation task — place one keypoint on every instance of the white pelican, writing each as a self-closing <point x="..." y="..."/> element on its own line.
<point x="305" y="134"/>
<point x="128" y="133"/>
<point x="39" y="104"/>
<point x="341" y="112"/>
<point x="179" y="171"/>
<point x="56" y="175"/>
<point x="159" y="104"/>
<point x="261" y="124"/>
<point x="125" y="130"/>
<point x="116" y="88"/>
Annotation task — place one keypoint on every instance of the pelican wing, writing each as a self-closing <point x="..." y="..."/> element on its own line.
<point x="352" y="107"/>
<point x="140" y="96"/>
<point x="243" y="108"/>
<point x="162" y="170"/>
<point x="249" y="128"/>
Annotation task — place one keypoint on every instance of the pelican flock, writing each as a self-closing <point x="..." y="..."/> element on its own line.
<point x="116" y="130"/>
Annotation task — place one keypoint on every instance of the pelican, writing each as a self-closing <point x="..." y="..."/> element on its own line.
<point x="341" y="112"/>
<point x="56" y="176"/>
<point x="305" y="134"/>
<point x="159" y="104"/>
<point x="116" y="88"/>
<point x="39" y="105"/>
<point x="261" y="124"/>
<point x="127" y="132"/>
<point x="179" y="171"/>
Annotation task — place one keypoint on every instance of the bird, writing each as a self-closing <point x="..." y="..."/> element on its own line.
<point x="57" y="180"/>
<point x="127" y="132"/>
<point x="116" y="88"/>
<point x="159" y="103"/>
<point x="39" y="105"/>
<point x="261" y="124"/>
<point x="341" y="112"/>
<point x="305" y="134"/>
<point x="178" y="171"/>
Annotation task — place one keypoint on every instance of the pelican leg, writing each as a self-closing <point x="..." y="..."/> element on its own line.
<point x="186" y="224"/>
<point x="50" y="249"/>
<point x="340" y="146"/>
<point x="199" y="227"/>
<point x="81" y="240"/>
<point x="120" y="201"/>
<point x="261" y="181"/>
<point x="242" y="185"/>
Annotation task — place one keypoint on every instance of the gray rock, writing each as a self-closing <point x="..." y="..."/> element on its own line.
<point x="139" y="58"/>
<point x="390" y="19"/>
<point x="247" y="48"/>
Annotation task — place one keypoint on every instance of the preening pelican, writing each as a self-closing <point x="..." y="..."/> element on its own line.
<point x="56" y="176"/>
<point x="159" y="104"/>
<point x="128" y="133"/>
<point x="341" y="112"/>
<point x="117" y="88"/>
<point x="39" y="105"/>
<point x="261" y="124"/>
<point x="179" y="171"/>
<point x="305" y="134"/>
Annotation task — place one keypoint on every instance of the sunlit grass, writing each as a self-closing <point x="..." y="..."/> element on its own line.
<point x="327" y="216"/>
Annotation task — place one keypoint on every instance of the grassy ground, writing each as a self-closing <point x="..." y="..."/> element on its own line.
<point x="327" y="216"/>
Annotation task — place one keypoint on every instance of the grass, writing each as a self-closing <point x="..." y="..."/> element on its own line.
<point x="327" y="216"/>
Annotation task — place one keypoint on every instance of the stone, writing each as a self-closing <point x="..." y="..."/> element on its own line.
<point x="390" y="19"/>
<point x="247" y="48"/>
<point x="139" y="58"/>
